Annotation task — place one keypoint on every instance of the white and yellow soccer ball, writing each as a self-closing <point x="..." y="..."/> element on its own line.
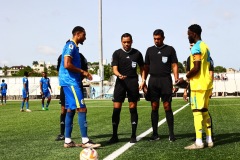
<point x="88" y="154"/>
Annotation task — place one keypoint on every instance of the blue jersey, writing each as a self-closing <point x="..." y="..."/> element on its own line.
<point x="4" y="87"/>
<point x="66" y="77"/>
<point x="45" y="84"/>
<point x="25" y="83"/>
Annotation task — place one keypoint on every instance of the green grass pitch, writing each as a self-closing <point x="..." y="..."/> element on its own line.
<point x="31" y="136"/>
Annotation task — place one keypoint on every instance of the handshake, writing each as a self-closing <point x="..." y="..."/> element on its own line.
<point x="181" y="83"/>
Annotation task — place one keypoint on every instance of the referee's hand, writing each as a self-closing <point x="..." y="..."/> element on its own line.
<point x="122" y="77"/>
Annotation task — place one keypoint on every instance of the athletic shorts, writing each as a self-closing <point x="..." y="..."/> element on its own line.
<point x="200" y="99"/>
<point x="4" y="94"/>
<point x="73" y="97"/>
<point x="24" y="94"/>
<point x="160" y="87"/>
<point x="46" y="94"/>
<point x="129" y="86"/>
<point x="62" y="97"/>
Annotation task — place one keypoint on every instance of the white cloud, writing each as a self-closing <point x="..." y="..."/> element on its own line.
<point x="46" y="50"/>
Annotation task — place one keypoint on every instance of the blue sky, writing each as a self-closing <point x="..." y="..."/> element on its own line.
<point x="37" y="30"/>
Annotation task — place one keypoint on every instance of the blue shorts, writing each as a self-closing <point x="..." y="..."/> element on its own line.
<point x="73" y="97"/>
<point x="4" y="94"/>
<point x="24" y="94"/>
<point x="46" y="94"/>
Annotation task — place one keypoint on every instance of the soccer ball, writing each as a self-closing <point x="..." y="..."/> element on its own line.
<point x="88" y="154"/>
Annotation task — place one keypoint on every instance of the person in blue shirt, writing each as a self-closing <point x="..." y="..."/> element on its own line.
<point x="70" y="72"/>
<point x="84" y="66"/>
<point x="44" y="87"/>
<point x="25" y="92"/>
<point x="3" y="92"/>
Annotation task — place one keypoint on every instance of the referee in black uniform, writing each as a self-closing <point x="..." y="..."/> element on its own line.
<point x="84" y="66"/>
<point x="124" y="64"/>
<point x="160" y="59"/>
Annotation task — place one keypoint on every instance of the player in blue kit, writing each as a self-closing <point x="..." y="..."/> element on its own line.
<point x="44" y="87"/>
<point x="25" y="92"/>
<point x="84" y="66"/>
<point x="3" y="92"/>
<point x="70" y="79"/>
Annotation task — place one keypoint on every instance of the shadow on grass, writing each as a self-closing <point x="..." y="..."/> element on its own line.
<point x="108" y="136"/>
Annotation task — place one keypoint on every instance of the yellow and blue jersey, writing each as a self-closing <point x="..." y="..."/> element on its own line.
<point x="203" y="80"/>
<point x="45" y="84"/>
<point x="66" y="77"/>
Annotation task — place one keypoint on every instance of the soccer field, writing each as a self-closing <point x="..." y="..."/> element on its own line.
<point x="31" y="136"/>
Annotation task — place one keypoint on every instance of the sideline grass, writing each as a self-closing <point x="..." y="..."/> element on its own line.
<point x="30" y="136"/>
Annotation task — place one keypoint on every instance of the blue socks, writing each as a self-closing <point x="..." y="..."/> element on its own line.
<point x="22" y="105"/>
<point x="82" y="123"/>
<point x="27" y="105"/>
<point x="69" y="124"/>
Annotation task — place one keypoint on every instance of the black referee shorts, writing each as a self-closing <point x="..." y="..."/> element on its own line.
<point x="160" y="87"/>
<point x="129" y="86"/>
<point x="62" y="97"/>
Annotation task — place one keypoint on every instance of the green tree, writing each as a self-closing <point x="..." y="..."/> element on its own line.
<point x="52" y="71"/>
<point x="5" y="69"/>
<point x="35" y="63"/>
<point x="107" y="71"/>
<point x="20" y="73"/>
<point x="219" y="69"/>
<point x="181" y="69"/>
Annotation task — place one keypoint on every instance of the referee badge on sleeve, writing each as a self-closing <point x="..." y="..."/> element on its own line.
<point x="134" y="64"/>
<point x="164" y="59"/>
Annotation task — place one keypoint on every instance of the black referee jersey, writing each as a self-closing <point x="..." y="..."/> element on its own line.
<point x="127" y="61"/>
<point x="160" y="60"/>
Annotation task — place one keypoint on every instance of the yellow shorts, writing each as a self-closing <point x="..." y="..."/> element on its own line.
<point x="200" y="99"/>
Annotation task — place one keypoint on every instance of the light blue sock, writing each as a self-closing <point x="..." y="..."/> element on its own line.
<point x="82" y="123"/>
<point x="69" y="124"/>
<point x="22" y="105"/>
<point x="27" y="105"/>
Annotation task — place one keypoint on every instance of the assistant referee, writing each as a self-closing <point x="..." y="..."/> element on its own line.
<point x="160" y="59"/>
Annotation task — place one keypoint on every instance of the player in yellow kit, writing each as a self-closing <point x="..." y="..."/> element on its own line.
<point x="201" y="86"/>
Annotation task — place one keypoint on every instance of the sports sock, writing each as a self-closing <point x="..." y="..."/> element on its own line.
<point x="198" y="118"/>
<point x="115" y="120"/>
<point x="48" y="102"/>
<point x="170" y="122"/>
<point x="62" y="123"/>
<point x="207" y="126"/>
<point x="42" y="105"/>
<point x="134" y="120"/>
<point x="69" y="123"/>
<point x="82" y="121"/>
<point x="27" y="105"/>
<point x="68" y="140"/>
<point x="155" y="118"/>
<point x="22" y="105"/>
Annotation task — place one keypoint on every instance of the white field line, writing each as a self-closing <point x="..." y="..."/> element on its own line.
<point x="118" y="152"/>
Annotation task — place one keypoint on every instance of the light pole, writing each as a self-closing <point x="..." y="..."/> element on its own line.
<point x="101" y="69"/>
